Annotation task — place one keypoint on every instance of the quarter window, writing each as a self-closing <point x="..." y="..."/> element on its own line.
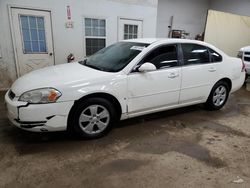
<point x="163" y="57"/>
<point x="215" y="57"/>
<point x="195" y="54"/>
<point x="33" y="34"/>
<point x="95" y="35"/>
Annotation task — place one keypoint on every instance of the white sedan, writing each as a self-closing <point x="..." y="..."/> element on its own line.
<point x="125" y="80"/>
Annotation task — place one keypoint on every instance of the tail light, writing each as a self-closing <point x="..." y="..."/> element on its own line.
<point x="243" y="69"/>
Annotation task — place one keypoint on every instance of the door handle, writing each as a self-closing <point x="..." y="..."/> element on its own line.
<point x="173" y="75"/>
<point x="212" y="69"/>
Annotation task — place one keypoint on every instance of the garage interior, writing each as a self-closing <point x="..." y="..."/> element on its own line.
<point x="186" y="147"/>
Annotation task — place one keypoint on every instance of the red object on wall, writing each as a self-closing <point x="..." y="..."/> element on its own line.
<point x="70" y="58"/>
<point x="68" y="13"/>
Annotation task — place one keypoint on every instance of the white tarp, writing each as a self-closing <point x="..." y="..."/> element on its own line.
<point x="228" y="32"/>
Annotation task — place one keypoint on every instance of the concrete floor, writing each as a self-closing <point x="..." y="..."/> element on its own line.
<point x="188" y="147"/>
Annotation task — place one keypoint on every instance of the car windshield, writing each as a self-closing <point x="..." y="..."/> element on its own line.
<point x="115" y="57"/>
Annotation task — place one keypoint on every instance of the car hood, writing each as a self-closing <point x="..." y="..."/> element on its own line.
<point x="59" y="76"/>
<point x="246" y="48"/>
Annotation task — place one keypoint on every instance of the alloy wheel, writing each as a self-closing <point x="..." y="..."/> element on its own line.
<point x="220" y="95"/>
<point x="94" y="119"/>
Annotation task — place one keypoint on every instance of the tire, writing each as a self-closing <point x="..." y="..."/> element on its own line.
<point x="246" y="77"/>
<point x="218" y="96"/>
<point x="92" y="118"/>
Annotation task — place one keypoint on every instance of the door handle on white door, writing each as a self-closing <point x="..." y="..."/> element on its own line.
<point x="173" y="75"/>
<point x="212" y="69"/>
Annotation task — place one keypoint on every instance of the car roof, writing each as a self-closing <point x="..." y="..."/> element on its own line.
<point x="171" y="40"/>
<point x="246" y="48"/>
<point x="142" y="40"/>
<point x="165" y="40"/>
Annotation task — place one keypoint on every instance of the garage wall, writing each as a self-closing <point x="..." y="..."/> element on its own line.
<point x="227" y="31"/>
<point x="71" y="40"/>
<point x="189" y="15"/>
<point x="241" y="7"/>
<point x="241" y="32"/>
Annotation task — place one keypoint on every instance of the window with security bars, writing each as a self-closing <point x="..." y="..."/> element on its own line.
<point x="130" y="31"/>
<point x="33" y="34"/>
<point x="95" y="35"/>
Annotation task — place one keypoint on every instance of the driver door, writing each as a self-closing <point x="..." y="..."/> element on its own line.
<point x="148" y="91"/>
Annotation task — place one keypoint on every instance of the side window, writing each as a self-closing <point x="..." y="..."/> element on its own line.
<point x="215" y="57"/>
<point x="195" y="54"/>
<point x="163" y="57"/>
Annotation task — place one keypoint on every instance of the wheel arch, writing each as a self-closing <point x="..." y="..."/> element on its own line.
<point x="106" y="96"/>
<point x="209" y="104"/>
<point x="228" y="81"/>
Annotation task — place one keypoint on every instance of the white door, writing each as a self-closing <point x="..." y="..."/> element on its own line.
<point x="33" y="39"/>
<point x="129" y="29"/>
<point x="157" y="89"/>
<point x="198" y="73"/>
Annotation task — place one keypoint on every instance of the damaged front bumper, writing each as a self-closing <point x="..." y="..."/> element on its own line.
<point x="38" y="117"/>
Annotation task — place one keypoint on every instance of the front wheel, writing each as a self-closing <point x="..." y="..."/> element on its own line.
<point x="218" y="96"/>
<point x="93" y="118"/>
<point x="246" y="78"/>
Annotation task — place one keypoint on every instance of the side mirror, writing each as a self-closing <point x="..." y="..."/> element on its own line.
<point x="147" y="67"/>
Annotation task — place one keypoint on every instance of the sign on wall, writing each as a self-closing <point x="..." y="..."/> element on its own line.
<point x="69" y="23"/>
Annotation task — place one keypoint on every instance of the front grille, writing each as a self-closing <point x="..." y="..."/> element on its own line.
<point x="30" y="124"/>
<point x="11" y="95"/>
<point x="246" y="58"/>
<point x="247" y="53"/>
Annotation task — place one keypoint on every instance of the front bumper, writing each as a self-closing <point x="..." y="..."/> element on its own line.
<point x="38" y="117"/>
<point x="247" y="68"/>
<point x="248" y="71"/>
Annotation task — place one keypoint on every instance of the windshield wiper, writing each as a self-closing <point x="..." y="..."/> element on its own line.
<point x="92" y="66"/>
<point x="84" y="62"/>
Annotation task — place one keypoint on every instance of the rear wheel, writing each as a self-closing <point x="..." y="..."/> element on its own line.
<point x="218" y="96"/>
<point x="93" y="118"/>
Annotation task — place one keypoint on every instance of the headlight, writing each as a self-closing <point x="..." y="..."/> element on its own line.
<point x="46" y="95"/>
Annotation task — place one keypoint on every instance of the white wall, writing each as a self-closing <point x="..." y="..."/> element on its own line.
<point x="189" y="15"/>
<point x="72" y="40"/>
<point x="241" y="7"/>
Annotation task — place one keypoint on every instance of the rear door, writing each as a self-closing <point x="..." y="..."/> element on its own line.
<point x="199" y="72"/>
